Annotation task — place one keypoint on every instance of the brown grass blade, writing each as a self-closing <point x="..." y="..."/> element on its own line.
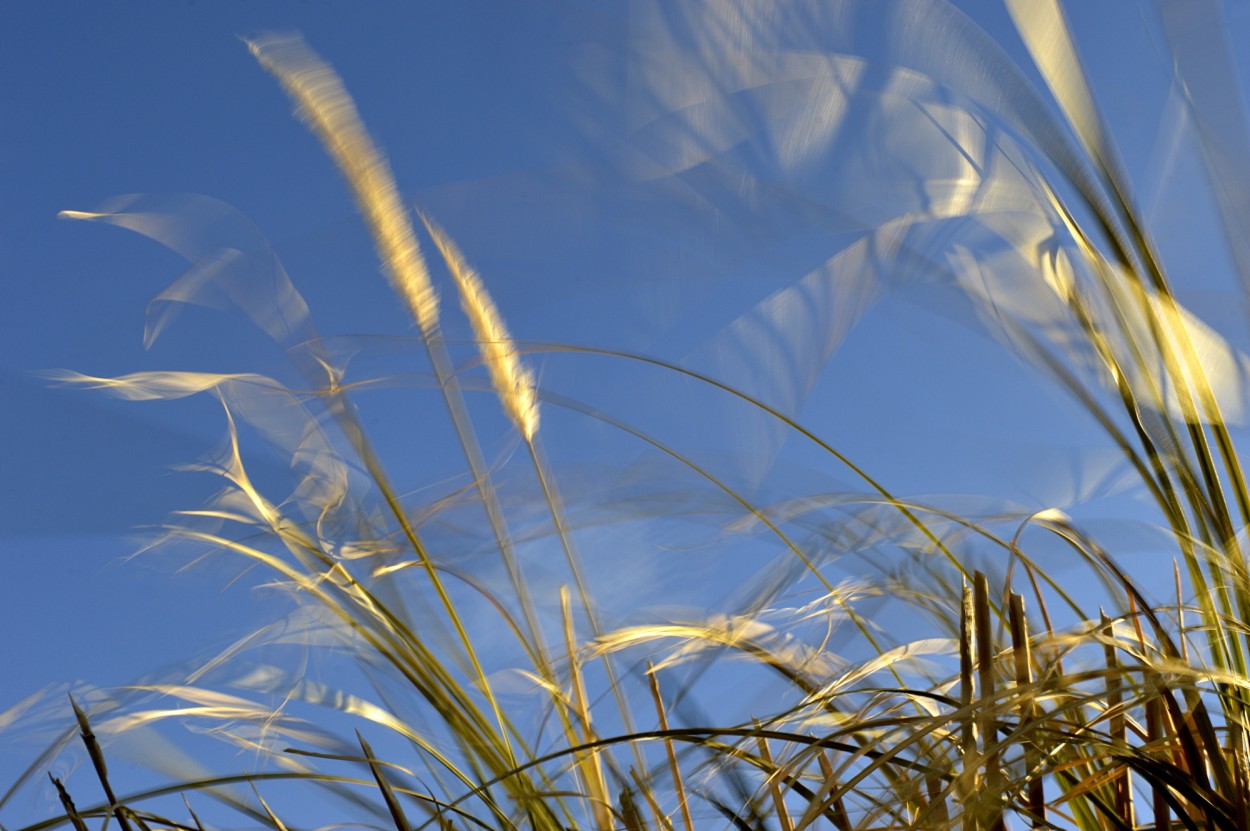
<point x="97" y="761"/>
<point x="1155" y="738"/>
<point x="277" y="822"/>
<point x="194" y="818"/>
<point x="68" y="803"/>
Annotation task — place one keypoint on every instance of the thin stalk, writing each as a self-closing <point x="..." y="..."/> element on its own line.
<point x="773" y="782"/>
<point x="1121" y="785"/>
<point x="588" y="763"/>
<point x="775" y="413"/>
<point x="68" y="804"/>
<point x="647" y="790"/>
<point x="673" y="768"/>
<point x="967" y="692"/>
<point x="555" y="505"/>
<point x="101" y="768"/>
<point x="465" y="434"/>
<point x="1156" y="739"/>
<point x="988" y="724"/>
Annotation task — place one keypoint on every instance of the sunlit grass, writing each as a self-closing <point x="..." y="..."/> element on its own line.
<point x="995" y="698"/>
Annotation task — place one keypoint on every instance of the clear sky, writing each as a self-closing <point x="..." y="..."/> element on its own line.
<point x="164" y="97"/>
<point x="610" y="191"/>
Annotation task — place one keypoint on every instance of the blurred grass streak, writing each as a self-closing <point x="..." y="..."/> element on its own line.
<point x="522" y="698"/>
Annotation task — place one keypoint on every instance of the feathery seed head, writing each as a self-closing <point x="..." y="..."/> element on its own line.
<point x="323" y="103"/>
<point x="513" y="381"/>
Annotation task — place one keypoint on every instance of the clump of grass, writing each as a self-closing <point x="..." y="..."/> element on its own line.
<point x="1059" y="717"/>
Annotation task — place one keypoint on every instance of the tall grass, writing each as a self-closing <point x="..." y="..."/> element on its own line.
<point x="504" y="696"/>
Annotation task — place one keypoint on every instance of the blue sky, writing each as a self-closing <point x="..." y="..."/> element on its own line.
<point x="164" y="97"/>
<point x="531" y="132"/>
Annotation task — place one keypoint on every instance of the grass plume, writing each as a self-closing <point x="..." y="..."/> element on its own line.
<point x="513" y="381"/>
<point x="330" y="112"/>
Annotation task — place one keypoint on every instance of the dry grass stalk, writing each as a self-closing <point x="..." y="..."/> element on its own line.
<point x="101" y="768"/>
<point x="589" y="763"/>
<point x="68" y="804"/>
<point x="662" y="822"/>
<point x="670" y="753"/>
<point x="837" y="808"/>
<point x="1120" y="785"/>
<point x="988" y="727"/>
<point x="967" y="694"/>
<point x="775" y="778"/>
<point x="1035" y="795"/>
